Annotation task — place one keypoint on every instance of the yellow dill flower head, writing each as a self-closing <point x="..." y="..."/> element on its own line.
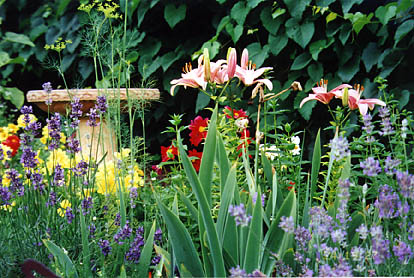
<point x="86" y="8"/>
<point x="109" y="9"/>
<point x="21" y="123"/>
<point x="55" y="157"/>
<point x="8" y="207"/>
<point x="63" y="205"/>
<point x="4" y="133"/>
<point x="58" y="46"/>
<point x="13" y="128"/>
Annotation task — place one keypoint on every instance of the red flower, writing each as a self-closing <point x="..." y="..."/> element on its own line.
<point x="198" y="128"/>
<point x="235" y="114"/>
<point x="168" y="153"/>
<point x="292" y="184"/>
<point x="12" y="142"/>
<point x="245" y="138"/>
<point x="197" y="161"/>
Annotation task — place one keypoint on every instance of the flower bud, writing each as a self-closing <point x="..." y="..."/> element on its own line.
<point x="231" y="62"/>
<point x="345" y="97"/>
<point x="206" y="62"/>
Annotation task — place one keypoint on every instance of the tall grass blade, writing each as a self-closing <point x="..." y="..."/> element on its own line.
<point x="214" y="244"/>
<point x="181" y="242"/>
<point x="207" y="160"/>
<point x="145" y="259"/>
<point x="65" y="263"/>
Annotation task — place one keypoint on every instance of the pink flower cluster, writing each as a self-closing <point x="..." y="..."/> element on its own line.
<point x="221" y="72"/>
<point x="320" y="93"/>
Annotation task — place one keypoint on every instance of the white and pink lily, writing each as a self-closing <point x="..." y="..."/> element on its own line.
<point x="248" y="74"/>
<point x="321" y="93"/>
<point x="355" y="101"/>
<point x="191" y="77"/>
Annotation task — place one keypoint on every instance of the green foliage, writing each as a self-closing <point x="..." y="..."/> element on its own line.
<point x="282" y="34"/>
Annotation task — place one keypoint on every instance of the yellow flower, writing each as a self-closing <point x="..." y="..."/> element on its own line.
<point x="123" y="154"/>
<point x="55" y="157"/>
<point x="13" y="128"/>
<point x="45" y="136"/>
<point x="6" y="180"/>
<point x="87" y="192"/>
<point x="8" y="207"/>
<point x="4" y="133"/>
<point x="105" y="179"/>
<point x="63" y="205"/>
<point x="5" y="149"/>
<point x="21" y="123"/>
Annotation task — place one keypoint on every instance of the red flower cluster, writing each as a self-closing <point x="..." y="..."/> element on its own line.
<point x="13" y="142"/>
<point x="168" y="153"/>
<point x="197" y="161"/>
<point x="233" y="113"/>
<point x="245" y="138"/>
<point x="198" y="129"/>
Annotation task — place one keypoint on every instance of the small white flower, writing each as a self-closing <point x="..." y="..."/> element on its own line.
<point x="295" y="140"/>
<point x="270" y="151"/>
<point x="296" y="150"/>
<point x="242" y="123"/>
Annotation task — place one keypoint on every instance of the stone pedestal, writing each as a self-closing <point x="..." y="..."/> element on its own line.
<point x="91" y="142"/>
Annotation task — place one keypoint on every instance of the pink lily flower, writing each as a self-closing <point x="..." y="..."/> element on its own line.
<point x="355" y="101"/>
<point x="321" y="93"/>
<point x="248" y="74"/>
<point x="191" y="77"/>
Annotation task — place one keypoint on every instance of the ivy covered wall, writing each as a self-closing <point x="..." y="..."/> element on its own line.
<point x="351" y="41"/>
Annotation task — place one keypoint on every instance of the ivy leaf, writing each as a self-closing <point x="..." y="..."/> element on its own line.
<point x="85" y="68"/>
<point x="4" y="58"/>
<point x="359" y="20"/>
<point x="403" y="30"/>
<point x="301" y="61"/>
<point x="202" y="101"/>
<point x="404" y="5"/>
<point x="253" y="3"/>
<point x="277" y="43"/>
<point x="272" y="25"/>
<point x="67" y="61"/>
<point x="306" y="110"/>
<point x="302" y="34"/>
<point x="278" y="12"/>
<point x="14" y="95"/>
<point x="317" y="47"/>
<point x="344" y="33"/>
<point x="169" y="58"/>
<point x="296" y="7"/>
<point x="385" y="13"/>
<point x="370" y="55"/>
<point x="347" y="4"/>
<point x="324" y="3"/>
<point x="331" y="16"/>
<point x="239" y="12"/>
<point x="174" y="15"/>
<point x="213" y="48"/>
<point x="18" y="38"/>
<point x="234" y="32"/>
<point x="315" y="72"/>
<point x="348" y="71"/>
<point x="258" y="54"/>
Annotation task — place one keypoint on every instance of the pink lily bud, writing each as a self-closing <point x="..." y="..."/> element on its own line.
<point x="244" y="59"/>
<point x="231" y="62"/>
<point x="206" y="62"/>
